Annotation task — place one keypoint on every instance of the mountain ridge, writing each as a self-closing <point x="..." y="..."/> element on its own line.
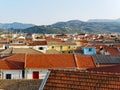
<point x="15" y="25"/>
<point x="73" y="26"/>
<point x="104" y="20"/>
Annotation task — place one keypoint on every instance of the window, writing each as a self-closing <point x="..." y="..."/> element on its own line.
<point x="20" y="41"/>
<point x="41" y="48"/>
<point x="0" y="75"/>
<point x="60" y="47"/>
<point x="52" y="47"/>
<point x="23" y="73"/>
<point x="8" y="76"/>
<point x="68" y="47"/>
<point x="90" y="49"/>
<point x="5" y="47"/>
<point x="68" y="51"/>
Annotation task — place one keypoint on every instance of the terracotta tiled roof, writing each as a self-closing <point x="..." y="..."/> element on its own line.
<point x="113" y="51"/>
<point x="28" y="39"/>
<point x="85" y="61"/>
<point x="80" y="80"/>
<point x="61" y="35"/>
<point x="34" y="43"/>
<point x="17" y="45"/>
<point x="114" y="69"/>
<point x="16" y="57"/>
<point x="54" y="39"/>
<point x="4" y="40"/>
<point x="84" y="41"/>
<point x="77" y="51"/>
<point x="8" y="65"/>
<point x="117" y="45"/>
<point x="15" y="61"/>
<point x="50" y="61"/>
<point x="97" y="46"/>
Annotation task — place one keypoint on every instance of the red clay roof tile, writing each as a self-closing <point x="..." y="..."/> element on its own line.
<point x="16" y="57"/>
<point x="50" y="61"/>
<point x="15" y="61"/>
<point x="114" y="69"/>
<point x="85" y="61"/>
<point x="54" y="39"/>
<point x="113" y="51"/>
<point x="34" y="43"/>
<point x="82" y="80"/>
<point x="8" y="65"/>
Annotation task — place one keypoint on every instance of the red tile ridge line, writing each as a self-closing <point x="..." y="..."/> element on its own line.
<point x="75" y="59"/>
<point x="85" y="71"/>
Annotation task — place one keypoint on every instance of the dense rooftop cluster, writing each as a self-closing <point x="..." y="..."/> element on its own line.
<point x="91" y="61"/>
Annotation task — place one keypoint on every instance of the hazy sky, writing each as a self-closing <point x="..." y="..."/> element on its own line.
<point x="43" y="12"/>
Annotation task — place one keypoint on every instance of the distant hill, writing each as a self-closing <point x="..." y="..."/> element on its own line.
<point x="15" y="25"/>
<point x="74" y="26"/>
<point x="42" y="29"/>
<point x="68" y="23"/>
<point x="104" y="20"/>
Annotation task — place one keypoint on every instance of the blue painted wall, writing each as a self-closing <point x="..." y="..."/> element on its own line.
<point x="88" y="50"/>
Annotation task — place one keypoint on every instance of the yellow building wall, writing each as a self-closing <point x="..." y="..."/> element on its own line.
<point x="79" y="43"/>
<point x="64" y="47"/>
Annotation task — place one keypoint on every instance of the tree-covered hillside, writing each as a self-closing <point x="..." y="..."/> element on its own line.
<point x="74" y="26"/>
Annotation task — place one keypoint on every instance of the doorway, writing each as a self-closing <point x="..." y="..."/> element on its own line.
<point x="35" y="75"/>
<point x="8" y="76"/>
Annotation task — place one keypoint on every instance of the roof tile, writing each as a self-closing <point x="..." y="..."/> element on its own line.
<point x="84" y="61"/>
<point x="15" y="61"/>
<point x="8" y="65"/>
<point x="50" y="61"/>
<point x="114" y="69"/>
<point x="82" y="80"/>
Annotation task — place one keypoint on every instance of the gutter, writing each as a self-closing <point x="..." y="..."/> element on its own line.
<point x="44" y="80"/>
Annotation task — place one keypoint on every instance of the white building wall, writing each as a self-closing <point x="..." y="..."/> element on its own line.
<point x="15" y="74"/>
<point x="29" y="73"/>
<point x="19" y="46"/>
<point x="42" y="72"/>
